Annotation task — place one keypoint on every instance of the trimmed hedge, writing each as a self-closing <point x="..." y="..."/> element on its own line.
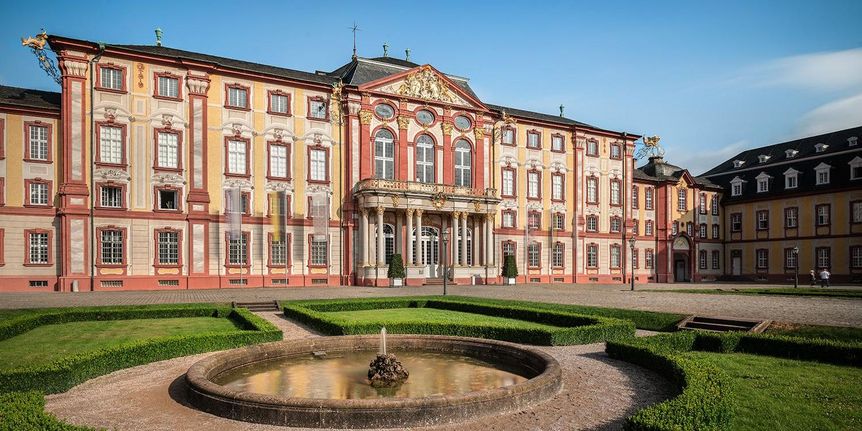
<point x="20" y="411"/>
<point x="574" y="328"/>
<point x="704" y="399"/>
<point x="73" y="370"/>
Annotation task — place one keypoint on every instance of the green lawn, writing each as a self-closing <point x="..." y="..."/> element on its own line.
<point x="835" y="333"/>
<point x="782" y="394"/>
<point x="393" y="316"/>
<point x="781" y="291"/>
<point x="48" y="343"/>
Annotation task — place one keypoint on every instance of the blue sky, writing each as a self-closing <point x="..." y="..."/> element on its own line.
<point x="711" y="78"/>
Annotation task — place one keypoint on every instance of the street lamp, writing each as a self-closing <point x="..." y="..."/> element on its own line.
<point x="632" y="248"/>
<point x="795" y="267"/>
<point x="445" y="262"/>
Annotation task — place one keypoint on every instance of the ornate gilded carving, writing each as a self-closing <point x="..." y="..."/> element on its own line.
<point x="395" y="200"/>
<point x="37" y="42"/>
<point x="477" y="205"/>
<point x="438" y="200"/>
<point x="508" y="119"/>
<point x="410" y="211"/>
<point x="651" y="148"/>
<point x="447" y="128"/>
<point x="479" y="133"/>
<point x="380" y="210"/>
<point x="490" y="215"/>
<point x="403" y="122"/>
<point x="365" y="117"/>
<point x="425" y="84"/>
<point x="419" y="212"/>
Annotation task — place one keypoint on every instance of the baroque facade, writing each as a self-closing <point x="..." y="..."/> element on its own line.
<point x="157" y="168"/>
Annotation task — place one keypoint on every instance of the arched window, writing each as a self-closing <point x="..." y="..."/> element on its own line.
<point x="388" y="242"/>
<point x="469" y="245"/>
<point x="463" y="164"/>
<point x="384" y="155"/>
<point x="425" y="159"/>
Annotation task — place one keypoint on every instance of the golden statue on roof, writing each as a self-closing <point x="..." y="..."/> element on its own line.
<point x="38" y="42"/>
<point x="650" y="148"/>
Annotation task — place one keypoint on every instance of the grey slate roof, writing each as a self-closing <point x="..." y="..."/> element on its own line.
<point x="363" y="70"/>
<point x="538" y="116"/>
<point x="29" y="98"/>
<point x="659" y="170"/>
<point x="230" y="63"/>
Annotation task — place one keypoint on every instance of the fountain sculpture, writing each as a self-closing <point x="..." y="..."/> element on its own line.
<point x="385" y="371"/>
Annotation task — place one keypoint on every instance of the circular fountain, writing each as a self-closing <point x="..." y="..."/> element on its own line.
<point x="323" y="382"/>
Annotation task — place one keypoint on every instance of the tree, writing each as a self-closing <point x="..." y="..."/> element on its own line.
<point x="396" y="267"/>
<point x="510" y="267"/>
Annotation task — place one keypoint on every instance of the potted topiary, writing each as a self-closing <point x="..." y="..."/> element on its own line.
<point x="396" y="270"/>
<point x="510" y="270"/>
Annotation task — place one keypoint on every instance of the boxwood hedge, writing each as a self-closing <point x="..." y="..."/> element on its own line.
<point x="704" y="398"/>
<point x="573" y="328"/>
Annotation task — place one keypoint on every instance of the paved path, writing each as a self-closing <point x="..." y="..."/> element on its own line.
<point x="810" y="310"/>
<point x="598" y="394"/>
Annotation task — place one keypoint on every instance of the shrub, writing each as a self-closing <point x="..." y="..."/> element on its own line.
<point x="21" y="411"/>
<point x="396" y="267"/>
<point x="510" y="267"/>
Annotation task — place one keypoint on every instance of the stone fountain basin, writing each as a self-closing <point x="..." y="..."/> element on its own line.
<point x="543" y="373"/>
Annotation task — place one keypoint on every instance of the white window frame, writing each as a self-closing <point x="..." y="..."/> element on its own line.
<point x="169" y="86"/>
<point x="237" y="157"/>
<point x="38" y="142"/>
<point x="168" y="154"/>
<point x="532" y="184"/>
<point x="557" y="143"/>
<point x="112" y="247"/>
<point x="39" y="194"/>
<point x="110" y="144"/>
<point x="111" y="78"/>
<point x="39" y="248"/>
<point x="425" y="159"/>
<point x="169" y="247"/>
<point x="317" y="164"/>
<point x="463" y="164"/>
<point x="557" y="187"/>
<point x="237" y="97"/>
<point x="822" y="174"/>
<point x="111" y="197"/>
<point x="278" y="161"/>
<point x="319" y="255"/>
<point x="384" y="155"/>
<point x="508" y="182"/>
<point x="278" y="103"/>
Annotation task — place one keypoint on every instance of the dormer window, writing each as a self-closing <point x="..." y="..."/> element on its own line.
<point x="852" y="141"/>
<point x="791" y="153"/>
<point x="736" y="186"/>
<point x="738" y="163"/>
<point x="791" y="179"/>
<point x="762" y="182"/>
<point x="763" y="158"/>
<point x="822" y="172"/>
<point x="856" y="168"/>
<point x="820" y="147"/>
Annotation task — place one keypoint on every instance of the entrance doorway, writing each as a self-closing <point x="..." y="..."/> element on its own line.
<point x="680" y="268"/>
<point x="430" y="251"/>
<point x="736" y="262"/>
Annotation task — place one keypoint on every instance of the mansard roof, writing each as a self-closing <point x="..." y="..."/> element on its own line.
<point x="364" y="70"/>
<point x="657" y="170"/>
<point x="27" y="98"/>
<point x="538" y="116"/>
<point x="778" y="153"/>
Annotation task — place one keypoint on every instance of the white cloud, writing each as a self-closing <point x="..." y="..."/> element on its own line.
<point x="828" y="70"/>
<point x="701" y="160"/>
<point x="836" y="115"/>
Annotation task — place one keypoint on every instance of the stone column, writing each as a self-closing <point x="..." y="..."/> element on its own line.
<point x="420" y="260"/>
<point x="453" y="230"/>
<point x="364" y="227"/>
<point x="410" y="237"/>
<point x="399" y="237"/>
<point x="381" y="247"/>
<point x="489" y="239"/>
<point x="464" y="239"/>
<point x="476" y="243"/>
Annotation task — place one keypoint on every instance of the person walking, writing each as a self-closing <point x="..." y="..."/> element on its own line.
<point x="824" y="278"/>
<point x="813" y="278"/>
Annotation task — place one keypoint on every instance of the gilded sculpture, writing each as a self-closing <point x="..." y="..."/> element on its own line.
<point x="38" y="42"/>
<point x="425" y="84"/>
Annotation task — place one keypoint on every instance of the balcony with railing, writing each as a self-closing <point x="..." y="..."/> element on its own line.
<point x="430" y="189"/>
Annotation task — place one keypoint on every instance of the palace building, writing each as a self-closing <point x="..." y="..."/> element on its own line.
<point x="158" y="168"/>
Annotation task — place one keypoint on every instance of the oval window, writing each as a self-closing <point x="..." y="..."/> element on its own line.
<point x="384" y="111"/>
<point x="424" y="117"/>
<point x="463" y="123"/>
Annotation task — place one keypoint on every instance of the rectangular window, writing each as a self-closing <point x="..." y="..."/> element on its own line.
<point x="593" y="256"/>
<point x="112" y="247"/>
<point x="736" y="222"/>
<point x="715" y="205"/>
<point x="791" y="217"/>
<point x="557" y="143"/>
<point x="592" y="223"/>
<point x="169" y="87"/>
<point x="318" y="109"/>
<point x="111" y="78"/>
<point x="508" y="248"/>
<point x="533" y="185"/>
<point x="681" y="199"/>
<point x="237" y="97"/>
<point x="317" y="162"/>
<point x="508" y="219"/>
<point x="790" y="258"/>
<point x="534" y="220"/>
<point x="763" y="220"/>
<point x="110" y="145"/>
<point x="635" y="227"/>
<point x="38" y="142"/>
<point x="38" y="243"/>
<point x="616" y="152"/>
<point x="508" y="182"/>
<point x="648" y="258"/>
<point x="736" y="189"/>
<point x="318" y="252"/>
<point x="278" y="251"/>
<point x="533" y="140"/>
<point x="169" y="248"/>
<point x="823" y="257"/>
<point x="635" y="193"/>
<point x="762" y="185"/>
<point x="823" y="213"/>
<point x="237" y="158"/>
<point x="716" y="259"/>
<point x="592" y="190"/>
<point x="762" y="258"/>
<point x="856" y="257"/>
<point x="557" y="187"/>
<point x="557" y="255"/>
<point x="648" y="228"/>
<point x="534" y="255"/>
<point x="592" y="148"/>
<point x="702" y="204"/>
<point x="616" y="224"/>
<point x="559" y="221"/>
<point x="279" y="104"/>
<point x="648" y="198"/>
<point x="278" y="161"/>
<point x="38" y="194"/>
<point x="674" y="228"/>
<point x="168" y="150"/>
<point x="635" y="260"/>
<point x="715" y="232"/>
<point x="702" y="230"/>
<point x="689" y="229"/>
<point x="615" y="256"/>
<point x="856" y="210"/>
<point x="169" y="200"/>
<point x="237" y="202"/>
<point x="237" y="249"/>
<point x="823" y="176"/>
<point x="701" y="259"/>
<point x="615" y="192"/>
<point x="508" y="136"/>
<point x="111" y="197"/>
<point x="790" y="181"/>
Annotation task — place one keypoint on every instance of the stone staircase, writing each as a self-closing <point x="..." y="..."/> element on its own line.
<point x="723" y="324"/>
<point x="257" y="306"/>
<point x="438" y="282"/>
